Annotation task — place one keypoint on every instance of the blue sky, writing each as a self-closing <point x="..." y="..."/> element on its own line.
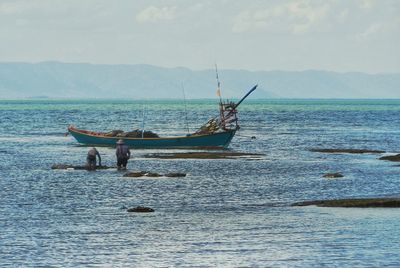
<point x="336" y="35"/>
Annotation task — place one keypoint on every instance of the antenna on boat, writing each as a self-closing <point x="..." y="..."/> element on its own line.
<point x="218" y="84"/>
<point x="184" y="100"/>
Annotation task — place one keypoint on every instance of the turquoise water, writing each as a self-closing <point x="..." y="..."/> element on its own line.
<point x="225" y="213"/>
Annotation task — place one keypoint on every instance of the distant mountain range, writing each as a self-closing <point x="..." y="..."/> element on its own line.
<point x="81" y="80"/>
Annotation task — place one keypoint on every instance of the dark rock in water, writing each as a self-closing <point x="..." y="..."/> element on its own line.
<point x="347" y="151"/>
<point x="393" y="158"/>
<point x="140" y="209"/>
<point x="175" y="175"/>
<point x="152" y="174"/>
<point x="61" y="166"/>
<point x="357" y="203"/>
<point x="65" y="166"/>
<point x="333" y="175"/>
<point x="202" y="155"/>
<point x="138" y="174"/>
<point x="135" y="174"/>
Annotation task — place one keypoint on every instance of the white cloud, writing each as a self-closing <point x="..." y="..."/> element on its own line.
<point x="296" y="17"/>
<point x="155" y="14"/>
<point x="367" y="4"/>
<point x="12" y="7"/>
<point x="328" y="34"/>
<point x="372" y="30"/>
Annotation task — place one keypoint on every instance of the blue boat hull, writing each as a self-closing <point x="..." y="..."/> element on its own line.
<point x="214" y="140"/>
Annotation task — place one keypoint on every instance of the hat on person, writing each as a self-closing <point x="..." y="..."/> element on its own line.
<point x="120" y="142"/>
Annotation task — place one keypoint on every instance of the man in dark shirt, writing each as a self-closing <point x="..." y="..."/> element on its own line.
<point x="123" y="154"/>
<point x="91" y="159"/>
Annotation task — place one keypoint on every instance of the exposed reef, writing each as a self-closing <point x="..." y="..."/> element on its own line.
<point x="140" y="209"/>
<point x="65" y="166"/>
<point x="393" y="158"/>
<point x="333" y="175"/>
<point x="357" y="203"/>
<point x="347" y="151"/>
<point x="203" y="155"/>
<point x="138" y="174"/>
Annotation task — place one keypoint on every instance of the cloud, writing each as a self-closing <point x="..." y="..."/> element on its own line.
<point x="372" y="30"/>
<point x="367" y="4"/>
<point x="155" y="14"/>
<point x="296" y="17"/>
<point x="12" y="7"/>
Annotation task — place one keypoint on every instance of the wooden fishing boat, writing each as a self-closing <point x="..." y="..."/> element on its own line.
<point x="217" y="139"/>
<point x="216" y="133"/>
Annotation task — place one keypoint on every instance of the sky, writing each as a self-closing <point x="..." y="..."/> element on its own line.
<point x="296" y="35"/>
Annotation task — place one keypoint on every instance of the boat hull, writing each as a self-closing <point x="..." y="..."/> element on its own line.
<point x="214" y="140"/>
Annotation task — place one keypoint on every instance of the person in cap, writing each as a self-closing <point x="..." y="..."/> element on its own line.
<point x="91" y="159"/>
<point x="123" y="154"/>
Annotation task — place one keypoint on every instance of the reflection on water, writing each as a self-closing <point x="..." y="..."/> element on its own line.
<point x="228" y="212"/>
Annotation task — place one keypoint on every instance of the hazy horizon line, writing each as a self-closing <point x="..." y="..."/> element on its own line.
<point x="212" y="67"/>
<point x="187" y="99"/>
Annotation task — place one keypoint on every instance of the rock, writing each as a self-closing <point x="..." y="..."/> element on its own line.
<point x="202" y="155"/>
<point x="152" y="174"/>
<point x="177" y="174"/>
<point x="393" y="158"/>
<point x="358" y="203"/>
<point x="348" y="151"/>
<point x="140" y="209"/>
<point x="61" y="166"/>
<point x="135" y="174"/>
<point x="65" y="166"/>
<point x="333" y="175"/>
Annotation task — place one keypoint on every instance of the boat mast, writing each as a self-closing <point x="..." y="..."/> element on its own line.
<point x="184" y="100"/>
<point x="144" y="117"/>
<point x="218" y="85"/>
<point x="221" y="105"/>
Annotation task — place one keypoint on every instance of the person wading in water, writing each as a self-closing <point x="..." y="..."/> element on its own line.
<point x="123" y="154"/>
<point x="91" y="159"/>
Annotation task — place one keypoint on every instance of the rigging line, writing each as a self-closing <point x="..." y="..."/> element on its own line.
<point x="184" y="100"/>
<point x="144" y="118"/>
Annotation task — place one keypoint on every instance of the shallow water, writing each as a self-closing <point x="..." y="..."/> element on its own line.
<point x="226" y="213"/>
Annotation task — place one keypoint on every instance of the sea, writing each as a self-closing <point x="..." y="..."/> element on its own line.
<point x="225" y="212"/>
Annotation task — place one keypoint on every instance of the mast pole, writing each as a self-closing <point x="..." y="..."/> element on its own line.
<point x="184" y="100"/>
<point x="218" y="84"/>
<point x="221" y="105"/>
<point x="144" y="115"/>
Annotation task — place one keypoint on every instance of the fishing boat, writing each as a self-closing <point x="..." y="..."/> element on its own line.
<point x="216" y="133"/>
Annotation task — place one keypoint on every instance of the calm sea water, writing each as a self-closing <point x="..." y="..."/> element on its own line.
<point x="225" y="213"/>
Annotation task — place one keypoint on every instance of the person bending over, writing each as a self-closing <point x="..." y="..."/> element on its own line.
<point x="91" y="159"/>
